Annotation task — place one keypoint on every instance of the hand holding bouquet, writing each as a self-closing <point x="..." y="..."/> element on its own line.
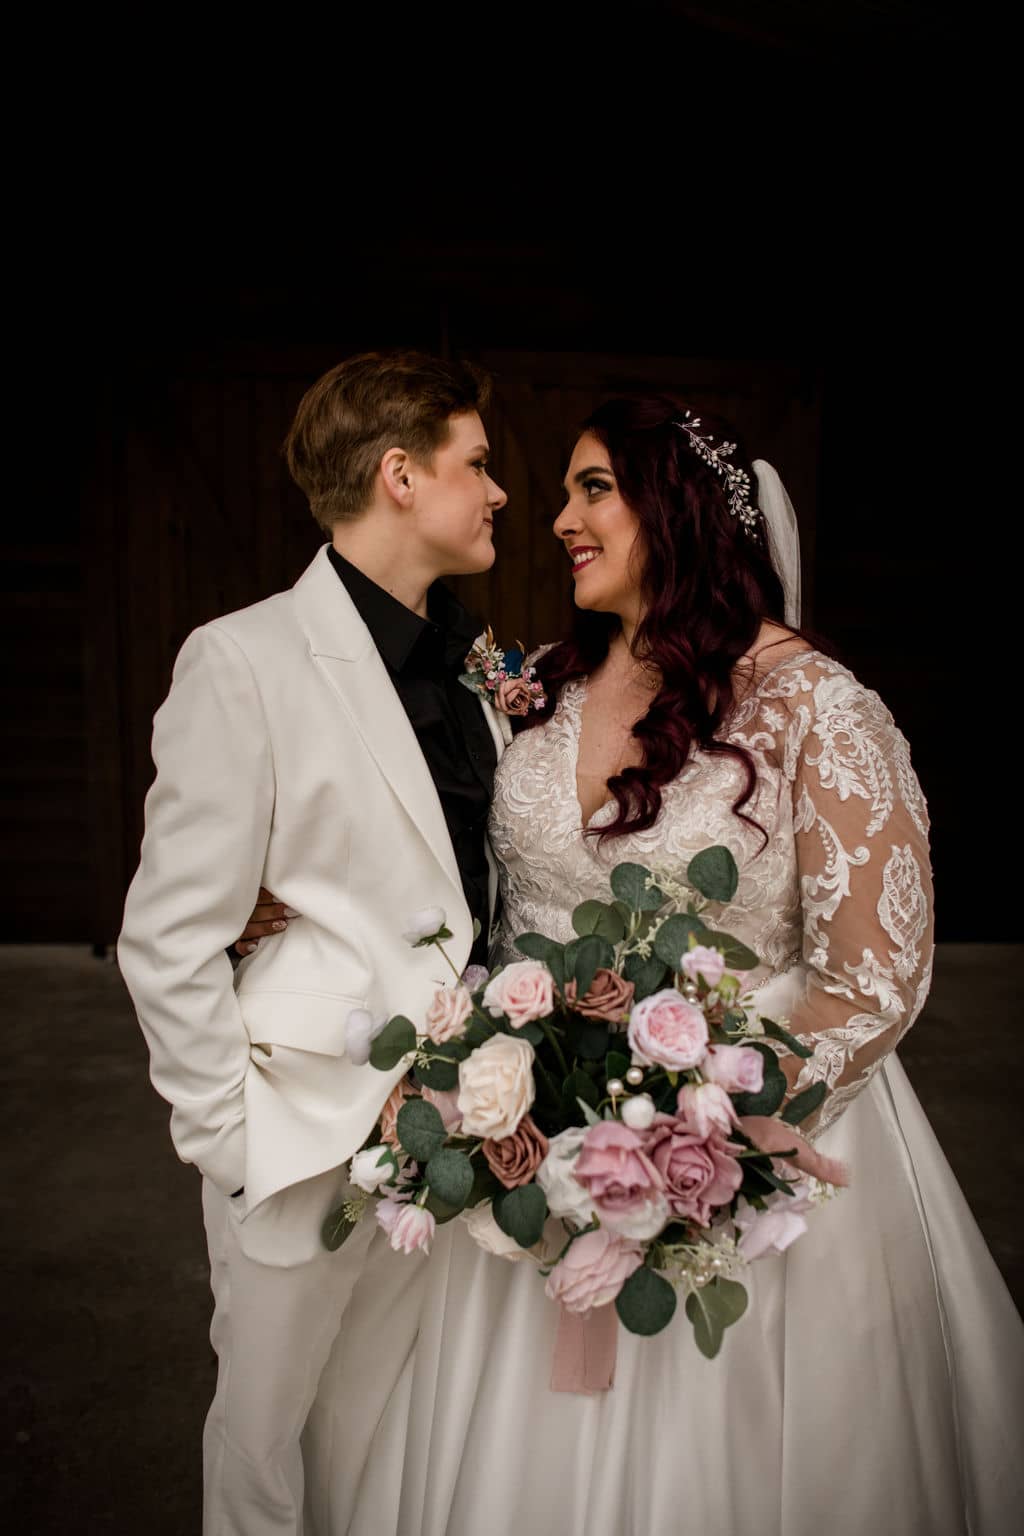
<point x="612" y="1109"/>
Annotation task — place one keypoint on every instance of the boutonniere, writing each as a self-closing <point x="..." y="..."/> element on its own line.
<point x="502" y="677"/>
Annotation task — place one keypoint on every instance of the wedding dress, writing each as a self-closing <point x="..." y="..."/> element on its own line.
<point x="876" y="1381"/>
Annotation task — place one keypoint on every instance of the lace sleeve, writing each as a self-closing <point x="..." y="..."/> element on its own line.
<point x="861" y="829"/>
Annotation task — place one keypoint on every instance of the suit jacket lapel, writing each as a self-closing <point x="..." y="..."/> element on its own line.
<point x="341" y="646"/>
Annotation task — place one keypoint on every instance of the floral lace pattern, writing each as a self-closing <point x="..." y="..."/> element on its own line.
<point x="839" y="897"/>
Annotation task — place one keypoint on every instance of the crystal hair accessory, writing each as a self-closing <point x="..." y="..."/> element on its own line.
<point x="736" y="480"/>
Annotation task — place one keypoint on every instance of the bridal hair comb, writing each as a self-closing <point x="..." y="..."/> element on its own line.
<point x="736" y="481"/>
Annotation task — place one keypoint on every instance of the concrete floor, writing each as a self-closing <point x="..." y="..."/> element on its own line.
<point x="105" y="1295"/>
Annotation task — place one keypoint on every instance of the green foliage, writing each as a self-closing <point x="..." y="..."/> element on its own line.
<point x="578" y="1085"/>
<point x="600" y="918"/>
<point x="647" y="1303"/>
<point x="485" y="1184"/>
<point x="777" y="1032"/>
<point x="442" y="1072"/>
<point x="584" y="957"/>
<point x="586" y="1037"/>
<point x="420" y="1129"/>
<point x="336" y="1227"/>
<point x="629" y="884"/>
<point x="804" y="1104"/>
<point x="437" y="1208"/>
<point x="773" y="1090"/>
<point x="450" y="1176"/>
<point x="395" y="1040"/>
<point x="672" y="939"/>
<point x="521" y="1213"/>
<point x="737" y="956"/>
<point x="536" y="946"/>
<point x="530" y="1031"/>
<point x="712" y="1309"/>
<point x="617" y="1064"/>
<point x="646" y="975"/>
<point x="714" y="874"/>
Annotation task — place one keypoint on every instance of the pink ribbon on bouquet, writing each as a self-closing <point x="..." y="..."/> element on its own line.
<point x="585" y="1349"/>
<point x="781" y="1140"/>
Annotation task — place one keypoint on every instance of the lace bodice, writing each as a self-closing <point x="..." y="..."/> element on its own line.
<point x="839" y="898"/>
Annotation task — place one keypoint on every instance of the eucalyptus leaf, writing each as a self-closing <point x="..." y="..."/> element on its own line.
<point x="584" y="957"/>
<point x="521" y="1213"/>
<point x="587" y="1037"/>
<point x="485" y="1184"/>
<point x="672" y="939"/>
<point x="395" y="1040"/>
<point x="629" y="884"/>
<point x="450" y="1176"/>
<point x="777" y="1032"/>
<point x="420" y="1129"/>
<point x="597" y="917"/>
<point x="442" y="1071"/>
<point x="529" y="1031"/>
<point x="616" y="1064"/>
<point x="714" y="874"/>
<point x="437" y="1208"/>
<point x="646" y="1304"/>
<point x="737" y="956"/>
<point x="336" y="1227"/>
<point x="712" y="1309"/>
<point x="537" y="946"/>
<point x="578" y="1085"/>
<point x="646" y="975"/>
<point x="804" y="1104"/>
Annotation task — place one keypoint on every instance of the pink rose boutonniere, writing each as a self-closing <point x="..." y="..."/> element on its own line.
<point x="502" y="676"/>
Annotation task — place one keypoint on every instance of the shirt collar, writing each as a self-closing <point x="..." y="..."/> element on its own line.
<point x="445" y="635"/>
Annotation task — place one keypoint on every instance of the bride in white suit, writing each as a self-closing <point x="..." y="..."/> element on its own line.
<point x="298" y="749"/>
<point x="876" y="1383"/>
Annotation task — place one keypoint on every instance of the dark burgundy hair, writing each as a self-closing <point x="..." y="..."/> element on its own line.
<point x="707" y="586"/>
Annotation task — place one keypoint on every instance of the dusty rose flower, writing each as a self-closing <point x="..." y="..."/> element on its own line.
<point x="616" y="1172"/>
<point x="389" y="1114"/>
<point x="523" y="991"/>
<point x="512" y="696"/>
<point x="446" y="1102"/>
<point x="409" y="1227"/>
<point x="699" y="1173"/>
<point x="608" y="997"/>
<point x="701" y="961"/>
<point x="515" y="1159"/>
<point x="594" y="1270"/>
<point x="496" y="1086"/>
<point x="448" y="1013"/>
<point x="736" y="1068"/>
<point x="667" y="1031"/>
<point x="706" y="1107"/>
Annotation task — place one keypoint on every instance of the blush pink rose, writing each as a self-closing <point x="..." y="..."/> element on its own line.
<point x="523" y="991"/>
<point x="706" y="1107"/>
<point x="409" y="1227"/>
<point x="608" y="997"/>
<point x="448" y="1014"/>
<point x="771" y="1231"/>
<point x="736" y="1068"/>
<point x="701" y="961"/>
<point x="617" y="1174"/>
<point x="515" y="1159"/>
<point x="513" y="696"/>
<point x="699" y="1173"/>
<point x="594" y="1270"/>
<point x="667" y="1031"/>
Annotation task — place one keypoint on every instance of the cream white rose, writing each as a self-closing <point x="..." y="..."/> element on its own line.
<point x="496" y="1086"/>
<point x="523" y="991"/>
<point x="486" y="1233"/>
<point x="448" y="1014"/>
<point x="566" y="1198"/>
<point x="372" y="1167"/>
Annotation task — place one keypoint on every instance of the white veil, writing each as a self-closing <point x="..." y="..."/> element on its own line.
<point x="783" y="535"/>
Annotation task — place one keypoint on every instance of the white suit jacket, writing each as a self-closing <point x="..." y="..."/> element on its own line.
<point x="284" y="758"/>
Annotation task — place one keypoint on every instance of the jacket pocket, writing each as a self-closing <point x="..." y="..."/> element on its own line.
<point x="307" y="1021"/>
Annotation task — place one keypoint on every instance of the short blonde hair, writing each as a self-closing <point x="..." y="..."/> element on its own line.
<point x="351" y="416"/>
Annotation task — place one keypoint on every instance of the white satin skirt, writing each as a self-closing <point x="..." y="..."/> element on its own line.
<point x="875" y="1386"/>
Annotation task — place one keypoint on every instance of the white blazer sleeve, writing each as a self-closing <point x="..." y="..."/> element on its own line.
<point x="208" y="817"/>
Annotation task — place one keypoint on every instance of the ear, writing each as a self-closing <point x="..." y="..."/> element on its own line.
<point x="397" y="473"/>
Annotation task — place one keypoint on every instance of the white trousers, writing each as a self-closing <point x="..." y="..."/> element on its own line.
<point x="279" y="1299"/>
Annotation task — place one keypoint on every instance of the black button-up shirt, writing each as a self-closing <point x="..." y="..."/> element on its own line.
<point x="424" y="658"/>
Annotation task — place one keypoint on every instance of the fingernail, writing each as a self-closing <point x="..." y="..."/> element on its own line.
<point x="278" y="926"/>
<point x="290" y="912"/>
<point x="250" y="947"/>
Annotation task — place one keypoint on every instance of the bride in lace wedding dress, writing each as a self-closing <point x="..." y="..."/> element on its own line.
<point x="876" y="1382"/>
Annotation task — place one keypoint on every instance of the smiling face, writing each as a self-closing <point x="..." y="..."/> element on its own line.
<point x="601" y="535"/>
<point x="456" y="500"/>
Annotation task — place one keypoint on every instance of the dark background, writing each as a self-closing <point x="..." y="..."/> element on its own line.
<point x="770" y="209"/>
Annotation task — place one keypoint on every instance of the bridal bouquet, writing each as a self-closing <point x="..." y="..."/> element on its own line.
<point x="612" y="1108"/>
